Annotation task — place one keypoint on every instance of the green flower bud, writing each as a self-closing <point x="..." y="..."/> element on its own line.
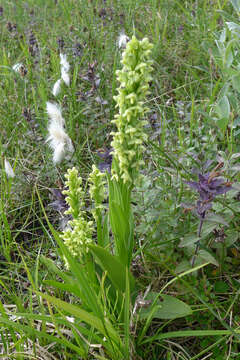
<point x="74" y="193"/>
<point x="97" y="189"/>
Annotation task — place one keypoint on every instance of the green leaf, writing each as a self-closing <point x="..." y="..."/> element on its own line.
<point x="53" y="268"/>
<point x="228" y="56"/>
<point x="189" y="240"/>
<point x="217" y="219"/>
<point x="29" y="330"/>
<point x="127" y="315"/>
<point x="115" y="270"/>
<point x="168" y="307"/>
<point x="70" y="288"/>
<point x="207" y="228"/>
<point x="86" y="288"/>
<point x="221" y="287"/>
<point x="204" y="255"/>
<point x="223" y="107"/>
<point x="189" y="333"/>
<point x="104" y="326"/>
<point x="121" y="219"/>
<point x="236" y="82"/>
<point x="232" y="237"/>
<point x="222" y="123"/>
<point x="233" y="27"/>
<point x="182" y="266"/>
<point x="236" y="5"/>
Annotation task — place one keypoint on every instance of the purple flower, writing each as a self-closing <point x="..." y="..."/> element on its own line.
<point x="208" y="186"/>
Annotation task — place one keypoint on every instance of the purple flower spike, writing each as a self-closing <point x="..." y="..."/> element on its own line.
<point x="208" y="187"/>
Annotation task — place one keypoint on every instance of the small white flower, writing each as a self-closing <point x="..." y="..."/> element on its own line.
<point x="8" y="169"/>
<point x="17" y="67"/>
<point x="54" y="112"/>
<point x="58" y="139"/>
<point x="57" y="87"/>
<point x="122" y="40"/>
<point x="65" y="67"/>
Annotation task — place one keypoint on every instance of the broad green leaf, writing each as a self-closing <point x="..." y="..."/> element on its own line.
<point x="115" y="270"/>
<point x="217" y="219"/>
<point x="183" y="266"/>
<point x="232" y="237"/>
<point x="236" y="82"/>
<point x="168" y="307"/>
<point x="233" y="27"/>
<point x="121" y="219"/>
<point x="221" y="286"/>
<point x="222" y="123"/>
<point x="207" y="228"/>
<point x="223" y="107"/>
<point x="228" y="58"/>
<point x="204" y="255"/>
<point x="189" y="240"/>
<point x="221" y="47"/>
<point x="236" y="5"/>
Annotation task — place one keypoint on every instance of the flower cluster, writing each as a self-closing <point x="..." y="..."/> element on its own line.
<point x="134" y="83"/>
<point x="97" y="189"/>
<point x="74" y="194"/>
<point x="79" y="233"/>
<point x="208" y="187"/>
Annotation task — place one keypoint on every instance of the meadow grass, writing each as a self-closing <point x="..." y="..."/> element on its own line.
<point x="188" y="123"/>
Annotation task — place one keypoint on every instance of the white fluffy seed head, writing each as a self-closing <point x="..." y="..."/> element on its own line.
<point x="64" y="63"/>
<point x="65" y="76"/>
<point x="65" y="67"/>
<point x="58" y="153"/>
<point x="122" y="40"/>
<point x="57" y="87"/>
<point x="70" y="319"/>
<point x="58" y="139"/>
<point x="54" y="113"/>
<point x="8" y="169"/>
<point x="16" y="67"/>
